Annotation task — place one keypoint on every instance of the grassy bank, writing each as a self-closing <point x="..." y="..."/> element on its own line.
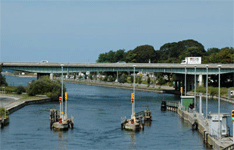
<point x="22" y="96"/>
<point x="213" y="91"/>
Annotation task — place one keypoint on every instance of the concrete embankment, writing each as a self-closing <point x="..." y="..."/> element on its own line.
<point x="14" y="103"/>
<point x="231" y="100"/>
<point x="201" y="124"/>
<point x="20" y="104"/>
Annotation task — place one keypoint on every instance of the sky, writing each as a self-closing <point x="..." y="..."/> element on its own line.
<point x="77" y="31"/>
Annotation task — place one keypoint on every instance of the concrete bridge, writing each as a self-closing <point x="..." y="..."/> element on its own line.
<point x="178" y="69"/>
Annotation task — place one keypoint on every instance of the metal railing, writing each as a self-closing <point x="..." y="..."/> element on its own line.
<point x="172" y="104"/>
<point x="140" y="114"/>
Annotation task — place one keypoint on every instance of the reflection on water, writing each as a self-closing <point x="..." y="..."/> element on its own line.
<point x="62" y="139"/>
<point x="148" y="123"/>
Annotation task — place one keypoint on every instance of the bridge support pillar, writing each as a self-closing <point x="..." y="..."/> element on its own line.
<point x="200" y="80"/>
<point x="51" y="76"/>
<point x="176" y="84"/>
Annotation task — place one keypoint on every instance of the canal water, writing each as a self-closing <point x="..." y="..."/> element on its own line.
<point x="97" y="115"/>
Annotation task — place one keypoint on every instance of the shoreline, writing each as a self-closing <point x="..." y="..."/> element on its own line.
<point x="21" y="76"/>
<point x="18" y="104"/>
<point x="122" y="86"/>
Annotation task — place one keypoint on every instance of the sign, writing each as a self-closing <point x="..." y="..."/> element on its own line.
<point x="65" y="96"/>
<point x="132" y="98"/>
<point x="232" y="93"/>
<point x="232" y="115"/>
<point x="181" y="90"/>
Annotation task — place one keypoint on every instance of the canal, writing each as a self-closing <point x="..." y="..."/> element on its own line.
<point x="97" y="115"/>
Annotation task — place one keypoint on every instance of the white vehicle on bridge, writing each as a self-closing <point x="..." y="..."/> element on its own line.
<point x="44" y="61"/>
<point x="191" y="60"/>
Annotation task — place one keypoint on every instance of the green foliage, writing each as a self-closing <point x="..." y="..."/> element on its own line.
<point x="172" y="80"/>
<point x="201" y="89"/>
<point x="112" y="57"/>
<point x="148" y="81"/>
<point x="131" y="57"/>
<point x="100" y="78"/>
<point x="2" y="112"/>
<point x="160" y="81"/>
<point x="111" y="79"/>
<point x="80" y="77"/>
<point x="169" y="53"/>
<point x="44" y="86"/>
<point x="91" y="77"/>
<point x="8" y="89"/>
<point x="20" y="90"/>
<point x="213" y="91"/>
<point x="139" y="79"/>
<point x="124" y="78"/>
<point x="105" y="78"/>
<point x="130" y="79"/>
<point x="2" y="78"/>
<point x="144" y="53"/>
<point x="224" y="56"/>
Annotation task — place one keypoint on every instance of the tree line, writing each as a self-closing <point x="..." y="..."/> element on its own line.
<point x="173" y="52"/>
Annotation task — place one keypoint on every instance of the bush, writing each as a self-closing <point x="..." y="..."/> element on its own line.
<point x="2" y="112"/>
<point x="8" y="89"/>
<point x="139" y="79"/>
<point x="213" y="91"/>
<point x="111" y="79"/>
<point x="20" y="90"/>
<point x="45" y="86"/>
<point x="105" y="78"/>
<point x="129" y="79"/>
<point x="201" y="89"/>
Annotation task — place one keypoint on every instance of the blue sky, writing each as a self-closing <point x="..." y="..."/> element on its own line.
<point x="78" y="31"/>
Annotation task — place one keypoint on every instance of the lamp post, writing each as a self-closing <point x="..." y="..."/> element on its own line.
<point x="133" y="105"/>
<point x="219" y="131"/>
<point x="185" y="80"/>
<point x="62" y="92"/>
<point x="207" y="89"/>
<point x="195" y="89"/>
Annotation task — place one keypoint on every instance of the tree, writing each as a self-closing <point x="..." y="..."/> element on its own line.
<point x="45" y="86"/>
<point x="169" y="52"/>
<point x="2" y="112"/>
<point x="225" y="56"/>
<point x="144" y="53"/>
<point x="20" y="90"/>
<point x="148" y="80"/>
<point x="74" y="76"/>
<point x="139" y="79"/>
<point x="120" y="55"/>
<point x="91" y="77"/>
<point x="2" y="78"/>
<point x="212" y="50"/>
<point x="160" y="81"/>
<point x="192" y="52"/>
<point x="131" y="57"/>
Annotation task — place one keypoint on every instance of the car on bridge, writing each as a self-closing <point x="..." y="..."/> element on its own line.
<point x="44" y="61"/>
